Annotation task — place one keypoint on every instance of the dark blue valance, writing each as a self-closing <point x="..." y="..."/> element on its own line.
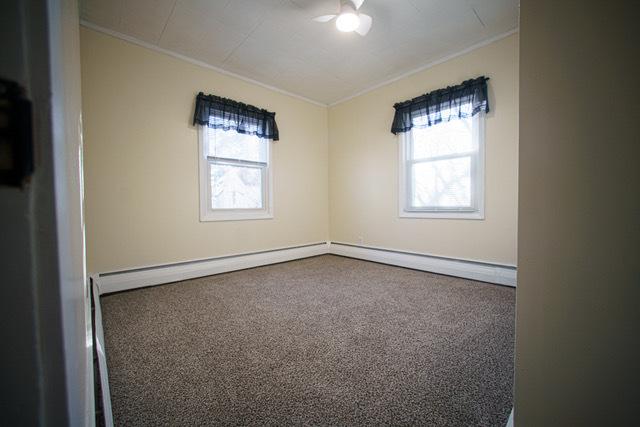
<point x="222" y="113"/>
<point x="442" y="105"/>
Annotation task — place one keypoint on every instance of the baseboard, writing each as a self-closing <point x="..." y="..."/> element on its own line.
<point x="468" y="269"/>
<point x="102" y="355"/>
<point x="159" y="274"/>
<point x="510" y="422"/>
<point x="90" y="384"/>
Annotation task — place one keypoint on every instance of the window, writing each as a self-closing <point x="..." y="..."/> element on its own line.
<point x="235" y="176"/>
<point x="442" y="169"/>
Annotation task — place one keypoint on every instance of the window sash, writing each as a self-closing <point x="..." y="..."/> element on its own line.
<point x="409" y="168"/>
<point x="216" y="148"/>
<point x="234" y="162"/>
<point x="212" y="161"/>
<point x="476" y="157"/>
<point x="207" y="212"/>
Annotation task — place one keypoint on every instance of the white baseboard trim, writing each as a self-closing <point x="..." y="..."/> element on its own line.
<point x="155" y="275"/>
<point x="160" y="274"/>
<point x="102" y="355"/>
<point x="90" y="384"/>
<point x="468" y="269"/>
<point x="510" y="422"/>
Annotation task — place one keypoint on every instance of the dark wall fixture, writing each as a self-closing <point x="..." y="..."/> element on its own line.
<point x="16" y="144"/>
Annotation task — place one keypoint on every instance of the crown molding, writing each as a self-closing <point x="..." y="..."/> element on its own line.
<point x="193" y="61"/>
<point x="428" y="65"/>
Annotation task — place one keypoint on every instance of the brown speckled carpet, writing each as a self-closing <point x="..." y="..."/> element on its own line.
<point x="319" y="341"/>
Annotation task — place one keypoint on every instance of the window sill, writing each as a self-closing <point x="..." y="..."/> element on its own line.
<point x="442" y="215"/>
<point x="234" y="216"/>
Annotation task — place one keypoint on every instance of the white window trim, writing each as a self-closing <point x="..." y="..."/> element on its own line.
<point x="207" y="214"/>
<point x="404" y="188"/>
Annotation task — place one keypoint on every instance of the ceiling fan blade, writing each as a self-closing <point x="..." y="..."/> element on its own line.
<point x="365" y="24"/>
<point x="357" y="3"/>
<point x="324" y="18"/>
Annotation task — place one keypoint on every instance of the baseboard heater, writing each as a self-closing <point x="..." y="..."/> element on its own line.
<point x="104" y="415"/>
<point x="501" y="274"/>
<point x="116" y="281"/>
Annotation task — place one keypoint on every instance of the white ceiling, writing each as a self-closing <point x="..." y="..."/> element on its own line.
<point x="276" y="43"/>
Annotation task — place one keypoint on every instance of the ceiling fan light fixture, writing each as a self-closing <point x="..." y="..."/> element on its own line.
<point x="347" y="22"/>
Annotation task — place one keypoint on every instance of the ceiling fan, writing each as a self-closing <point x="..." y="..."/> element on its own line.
<point x="349" y="19"/>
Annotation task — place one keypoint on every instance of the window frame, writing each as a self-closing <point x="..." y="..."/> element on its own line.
<point x="207" y="213"/>
<point x="477" y="171"/>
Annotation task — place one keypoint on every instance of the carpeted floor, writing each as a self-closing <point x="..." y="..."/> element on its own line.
<point x="319" y="341"/>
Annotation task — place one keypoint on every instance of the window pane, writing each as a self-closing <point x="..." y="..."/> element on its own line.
<point x="442" y="183"/>
<point x="233" y="145"/>
<point x="443" y="139"/>
<point x="236" y="187"/>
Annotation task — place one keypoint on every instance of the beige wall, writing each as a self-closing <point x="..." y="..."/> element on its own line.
<point x="363" y="163"/>
<point x="337" y="166"/>
<point x="577" y="338"/>
<point x="141" y="161"/>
